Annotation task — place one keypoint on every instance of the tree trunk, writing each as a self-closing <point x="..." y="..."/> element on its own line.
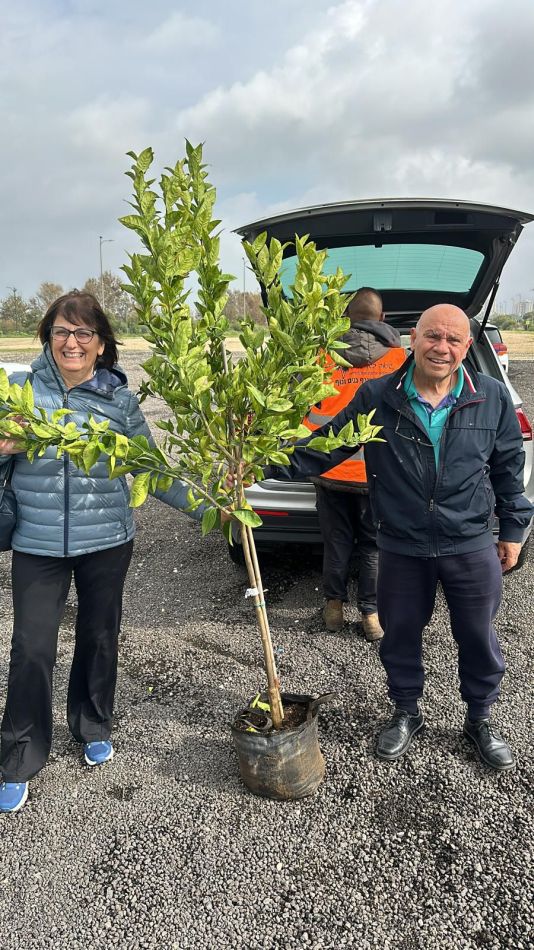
<point x="273" y="683"/>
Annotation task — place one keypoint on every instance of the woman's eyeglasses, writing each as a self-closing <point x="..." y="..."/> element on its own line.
<point x="81" y="334"/>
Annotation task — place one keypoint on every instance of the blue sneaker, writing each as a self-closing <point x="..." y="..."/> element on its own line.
<point x="12" y="796"/>
<point x="96" y="753"/>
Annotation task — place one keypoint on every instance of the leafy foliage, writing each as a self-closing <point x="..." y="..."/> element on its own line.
<point x="225" y="416"/>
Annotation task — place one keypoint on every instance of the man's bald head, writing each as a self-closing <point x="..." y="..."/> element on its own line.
<point x="365" y="305"/>
<point x="445" y="312"/>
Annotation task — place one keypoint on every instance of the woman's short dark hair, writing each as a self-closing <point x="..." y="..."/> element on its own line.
<point x="82" y="309"/>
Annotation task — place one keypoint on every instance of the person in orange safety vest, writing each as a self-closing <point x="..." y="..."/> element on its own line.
<point x="374" y="349"/>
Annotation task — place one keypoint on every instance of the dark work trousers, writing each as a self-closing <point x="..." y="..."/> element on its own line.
<point x="345" y="518"/>
<point x="472" y="584"/>
<point x="40" y="589"/>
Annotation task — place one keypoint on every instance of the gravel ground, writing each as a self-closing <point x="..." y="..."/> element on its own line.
<point x="165" y="848"/>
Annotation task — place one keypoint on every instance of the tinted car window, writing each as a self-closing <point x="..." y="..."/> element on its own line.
<point x="428" y="267"/>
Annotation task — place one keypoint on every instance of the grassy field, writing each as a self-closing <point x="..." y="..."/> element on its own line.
<point x="13" y="344"/>
<point x="520" y="344"/>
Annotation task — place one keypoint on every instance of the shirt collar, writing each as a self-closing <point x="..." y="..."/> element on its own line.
<point x="452" y="396"/>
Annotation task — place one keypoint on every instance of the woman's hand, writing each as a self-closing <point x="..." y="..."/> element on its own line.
<point x="11" y="446"/>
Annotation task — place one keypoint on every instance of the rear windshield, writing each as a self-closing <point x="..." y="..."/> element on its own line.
<point x="399" y="267"/>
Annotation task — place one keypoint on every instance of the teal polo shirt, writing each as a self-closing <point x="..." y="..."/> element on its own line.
<point x="433" y="418"/>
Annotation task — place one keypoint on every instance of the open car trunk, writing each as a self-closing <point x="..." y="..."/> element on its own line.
<point x="416" y="252"/>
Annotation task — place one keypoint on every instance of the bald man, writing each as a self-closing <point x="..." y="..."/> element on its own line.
<point x="453" y="455"/>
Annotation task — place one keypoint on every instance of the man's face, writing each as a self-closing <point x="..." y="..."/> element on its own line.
<point x="440" y="343"/>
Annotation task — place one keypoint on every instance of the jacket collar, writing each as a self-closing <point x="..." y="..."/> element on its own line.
<point x="472" y="389"/>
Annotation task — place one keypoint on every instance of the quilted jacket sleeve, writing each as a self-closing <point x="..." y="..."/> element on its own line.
<point x="176" y="495"/>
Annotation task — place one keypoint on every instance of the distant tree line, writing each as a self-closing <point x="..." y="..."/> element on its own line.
<point x="20" y="316"/>
<point x="510" y="321"/>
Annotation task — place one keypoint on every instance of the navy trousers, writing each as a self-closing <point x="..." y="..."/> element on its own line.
<point x="345" y="517"/>
<point x="406" y="592"/>
<point x="40" y="588"/>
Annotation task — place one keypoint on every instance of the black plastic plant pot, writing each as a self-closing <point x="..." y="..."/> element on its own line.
<point x="286" y="763"/>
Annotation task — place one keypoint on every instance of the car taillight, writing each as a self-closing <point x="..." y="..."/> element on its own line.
<point x="275" y="514"/>
<point x="526" y="428"/>
<point x="500" y="348"/>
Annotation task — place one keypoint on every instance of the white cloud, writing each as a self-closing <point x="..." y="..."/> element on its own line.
<point x="178" y="31"/>
<point x="364" y="98"/>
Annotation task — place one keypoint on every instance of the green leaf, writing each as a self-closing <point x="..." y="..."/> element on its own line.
<point x="279" y="405"/>
<point x="227" y="531"/>
<point x="255" y="393"/>
<point x="120" y="470"/>
<point x="248" y="517"/>
<point x="4" y="385"/>
<point x="145" y="159"/>
<point x="139" y="489"/>
<point x="209" y="520"/>
<point x="279" y="458"/>
<point x="133" y="221"/>
<point x="42" y="431"/>
<point x="91" y="454"/>
<point x="121" y="446"/>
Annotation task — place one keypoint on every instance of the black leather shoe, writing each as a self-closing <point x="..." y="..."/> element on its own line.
<point x="396" y="737"/>
<point x="492" y="749"/>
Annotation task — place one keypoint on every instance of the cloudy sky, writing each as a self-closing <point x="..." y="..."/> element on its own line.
<point x="297" y="101"/>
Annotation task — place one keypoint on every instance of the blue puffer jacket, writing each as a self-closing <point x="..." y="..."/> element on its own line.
<point x="420" y="510"/>
<point x="61" y="512"/>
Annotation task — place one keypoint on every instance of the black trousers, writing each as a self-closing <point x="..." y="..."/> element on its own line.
<point x="345" y="517"/>
<point x="40" y="589"/>
<point x="472" y="585"/>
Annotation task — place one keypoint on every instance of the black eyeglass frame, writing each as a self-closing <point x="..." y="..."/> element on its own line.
<point x="61" y="333"/>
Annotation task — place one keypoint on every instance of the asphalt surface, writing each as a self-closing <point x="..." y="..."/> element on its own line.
<point x="164" y="847"/>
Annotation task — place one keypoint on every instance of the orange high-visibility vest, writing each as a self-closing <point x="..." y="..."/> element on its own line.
<point x="347" y="381"/>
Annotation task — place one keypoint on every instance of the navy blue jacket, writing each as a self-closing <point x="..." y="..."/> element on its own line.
<point x="421" y="511"/>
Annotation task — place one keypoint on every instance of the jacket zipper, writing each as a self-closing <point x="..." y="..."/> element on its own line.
<point x="66" y="492"/>
<point x="441" y="454"/>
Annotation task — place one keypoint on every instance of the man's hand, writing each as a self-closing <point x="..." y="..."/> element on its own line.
<point x="231" y="478"/>
<point x="508" y="552"/>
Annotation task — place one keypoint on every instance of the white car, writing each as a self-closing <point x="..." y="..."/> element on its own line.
<point x="15" y="367"/>
<point x="498" y="344"/>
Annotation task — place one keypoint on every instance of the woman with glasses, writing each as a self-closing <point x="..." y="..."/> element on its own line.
<point x="69" y="526"/>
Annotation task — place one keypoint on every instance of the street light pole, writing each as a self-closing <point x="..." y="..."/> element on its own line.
<point x="102" y="241"/>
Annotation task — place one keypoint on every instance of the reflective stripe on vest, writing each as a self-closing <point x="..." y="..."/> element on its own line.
<point x="347" y="381"/>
